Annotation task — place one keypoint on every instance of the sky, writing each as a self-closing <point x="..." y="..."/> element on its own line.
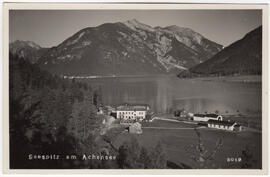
<point x="49" y="28"/>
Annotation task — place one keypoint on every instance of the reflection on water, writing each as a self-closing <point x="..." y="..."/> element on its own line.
<point x="167" y="93"/>
<point x="202" y="105"/>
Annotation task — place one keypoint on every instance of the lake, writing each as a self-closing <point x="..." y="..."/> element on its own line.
<point x="167" y="93"/>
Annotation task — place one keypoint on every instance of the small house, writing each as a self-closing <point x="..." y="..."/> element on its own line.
<point x="149" y="117"/>
<point x="109" y="110"/>
<point x="181" y="113"/>
<point x="224" y="125"/>
<point x="100" y="111"/>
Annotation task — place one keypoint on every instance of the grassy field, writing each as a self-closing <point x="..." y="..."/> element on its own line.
<point x="161" y="123"/>
<point x="251" y="120"/>
<point x="254" y="121"/>
<point x="176" y="141"/>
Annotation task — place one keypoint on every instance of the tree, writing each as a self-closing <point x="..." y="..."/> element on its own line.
<point x="159" y="157"/>
<point x="97" y="97"/>
<point x="111" y="135"/>
<point x="145" y="159"/>
<point x="247" y="161"/>
<point x="129" y="155"/>
<point x="20" y="122"/>
<point x="132" y="156"/>
<point x="200" y="154"/>
<point x="83" y="118"/>
<point x="50" y="115"/>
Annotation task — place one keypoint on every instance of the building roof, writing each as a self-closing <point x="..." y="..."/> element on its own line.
<point x="212" y="115"/>
<point x="132" y="107"/>
<point x="199" y="115"/>
<point x="206" y="115"/>
<point x="134" y="104"/>
<point x="228" y="123"/>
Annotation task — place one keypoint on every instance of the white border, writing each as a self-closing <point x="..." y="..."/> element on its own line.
<point x="88" y="6"/>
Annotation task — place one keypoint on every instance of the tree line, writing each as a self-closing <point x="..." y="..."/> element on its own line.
<point x="52" y="115"/>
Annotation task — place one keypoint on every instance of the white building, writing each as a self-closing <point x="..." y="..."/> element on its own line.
<point x="128" y="113"/>
<point x="207" y="117"/>
<point x="224" y="125"/>
<point x="131" y="114"/>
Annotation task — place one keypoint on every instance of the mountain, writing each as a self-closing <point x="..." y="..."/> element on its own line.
<point x="242" y="57"/>
<point x="128" y="48"/>
<point x="194" y="40"/>
<point x="27" y="49"/>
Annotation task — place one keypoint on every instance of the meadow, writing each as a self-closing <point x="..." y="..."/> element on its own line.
<point x="177" y="143"/>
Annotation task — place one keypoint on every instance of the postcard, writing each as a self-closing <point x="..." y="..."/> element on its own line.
<point x="135" y="88"/>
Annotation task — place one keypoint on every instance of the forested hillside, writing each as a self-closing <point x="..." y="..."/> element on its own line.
<point x="41" y="106"/>
<point x="243" y="57"/>
<point x="50" y="115"/>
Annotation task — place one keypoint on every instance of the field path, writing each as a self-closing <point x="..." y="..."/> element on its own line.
<point x="172" y="128"/>
<point x="173" y="120"/>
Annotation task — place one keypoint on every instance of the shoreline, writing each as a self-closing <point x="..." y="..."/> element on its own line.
<point x="243" y="78"/>
<point x="117" y="76"/>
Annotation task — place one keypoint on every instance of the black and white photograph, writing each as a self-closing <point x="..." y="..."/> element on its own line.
<point x="135" y="88"/>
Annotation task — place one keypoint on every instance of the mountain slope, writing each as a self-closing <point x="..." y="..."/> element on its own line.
<point x="27" y="49"/>
<point x="194" y="40"/>
<point x="242" y="57"/>
<point x="128" y="48"/>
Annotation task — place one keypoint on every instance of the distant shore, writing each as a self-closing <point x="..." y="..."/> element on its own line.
<point x="244" y="78"/>
<point x="119" y="76"/>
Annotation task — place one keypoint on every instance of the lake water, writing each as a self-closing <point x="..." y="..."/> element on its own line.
<point x="166" y="93"/>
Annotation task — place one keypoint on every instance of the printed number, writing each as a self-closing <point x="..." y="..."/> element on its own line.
<point x="234" y="159"/>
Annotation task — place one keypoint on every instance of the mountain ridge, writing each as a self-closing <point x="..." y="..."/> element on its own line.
<point x="241" y="57"/>
<point x="125" y="48"/>
<point x="27" y="49"/>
